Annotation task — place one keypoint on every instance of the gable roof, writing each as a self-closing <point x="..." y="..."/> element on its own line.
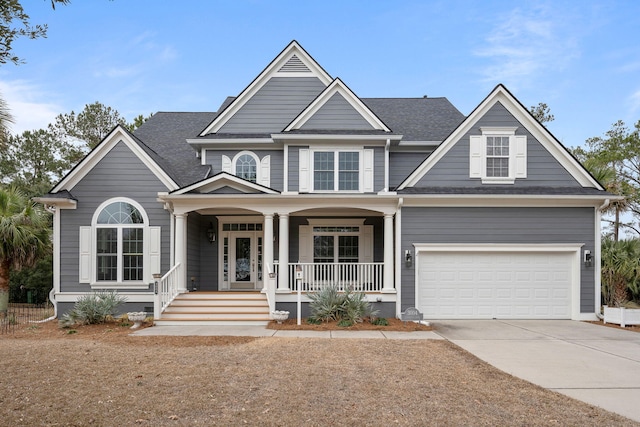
<point x="337" y="87"/>
<point x="224" y="179"/>
<point x="118" y="134"/>
<point x="293" y="61"/>
<point x="544" y="137"/>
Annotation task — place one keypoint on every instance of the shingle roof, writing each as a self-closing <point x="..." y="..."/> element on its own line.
<point x="164" y="135"/>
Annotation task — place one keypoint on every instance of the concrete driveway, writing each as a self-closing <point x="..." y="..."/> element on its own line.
<point x="592" y="363"/>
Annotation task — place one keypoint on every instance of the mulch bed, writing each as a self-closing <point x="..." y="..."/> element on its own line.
<point x="394" y="325"/>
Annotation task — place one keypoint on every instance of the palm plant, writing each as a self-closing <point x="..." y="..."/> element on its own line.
<point x="24" y="237"/>
<point x="620" y="271"/>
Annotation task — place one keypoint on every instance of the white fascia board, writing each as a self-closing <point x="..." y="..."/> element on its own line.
<point x="225" y="179"/>
<point x="539" y="132"/>
<point x="292" y="49"/>
<point x="98" y="153"/>
<point x="207" y="143"/>
<point x="419" y="143"/>
<point x="332" y="137"/>
<point x="500" y="200"/>
<point x="497" y="247"/>
<point x="57" y="202"/>
<point x="337" y="86"/>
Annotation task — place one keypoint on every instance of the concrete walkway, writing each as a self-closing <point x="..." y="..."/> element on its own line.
<point x="592" y="363"/>
<point x="261" y="331"/>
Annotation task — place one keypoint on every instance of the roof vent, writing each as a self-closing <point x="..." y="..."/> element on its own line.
<point x="294" y="65"/>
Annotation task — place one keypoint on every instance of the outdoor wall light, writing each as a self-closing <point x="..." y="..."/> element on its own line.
<point x="407" y="258"/>
<point x="211" y="233"/>
<point x="193" y="283"/>
<point x="588" y="259"/>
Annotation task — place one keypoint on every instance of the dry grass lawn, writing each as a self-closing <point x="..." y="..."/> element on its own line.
<point x="101" y="376"/>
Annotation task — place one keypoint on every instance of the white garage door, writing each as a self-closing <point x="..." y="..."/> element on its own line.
<point x="494" y="285"/>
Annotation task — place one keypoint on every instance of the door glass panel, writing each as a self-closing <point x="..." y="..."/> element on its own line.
<point x="243" y="259"/>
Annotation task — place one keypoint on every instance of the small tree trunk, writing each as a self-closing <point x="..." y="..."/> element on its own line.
<point x="616" y="225"/>
<point x="4" y="288"/>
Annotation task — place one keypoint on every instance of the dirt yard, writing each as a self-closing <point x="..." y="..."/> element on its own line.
<point x="99" y="375"/>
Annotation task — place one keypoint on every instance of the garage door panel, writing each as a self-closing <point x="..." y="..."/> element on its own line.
<point x="495" y="285"/>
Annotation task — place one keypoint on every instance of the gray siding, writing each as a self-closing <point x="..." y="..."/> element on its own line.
<point x="498" y="225"/>
<point x="195" y="239"/>
<point x="275" y="105"/>
<point x="337" y="114"/>
<point x="294" y="168"/>
<point x="543" y="170"/>
<point x="378" y="168"/>
<point x="214" y="158"/>
<point x="208" y="253"/>
<point x="401" y="164"/>
<point x="119" y="174"/>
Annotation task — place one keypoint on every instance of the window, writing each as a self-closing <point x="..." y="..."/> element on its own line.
<point x="498" y="156"/>
<point x="336" y="171"/>
<point x="119" y="243"/>
<point x="246" y="167"/>
<point x="119" y="250"/>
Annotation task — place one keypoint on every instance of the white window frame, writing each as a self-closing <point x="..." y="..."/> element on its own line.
<point x="517" y="155"/>
<point x="364" y="233"/>
<point x="88" y="250"/>
<point x="263" y="167"/>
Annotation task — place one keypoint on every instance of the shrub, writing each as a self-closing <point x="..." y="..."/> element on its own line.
<point x="620" y="271"/>
<point x="380" y="321"/>
<point x="93" y="308"/>
<point x="329" y="304"/>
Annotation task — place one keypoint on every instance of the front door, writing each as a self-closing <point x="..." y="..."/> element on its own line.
<point x="244" y="261"/>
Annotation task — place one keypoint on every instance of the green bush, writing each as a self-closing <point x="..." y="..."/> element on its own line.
<point x="620" y="271"/>
<point x="93" y="308"/>
<point x="380" y="321"/>
<point x="329" y="304"/>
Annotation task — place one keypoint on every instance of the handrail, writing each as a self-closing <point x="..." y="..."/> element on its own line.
<point x="166" y="289"/>
<point x="357" y="276"/>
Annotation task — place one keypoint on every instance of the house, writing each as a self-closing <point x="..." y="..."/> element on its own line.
<point x="297" y="183"/>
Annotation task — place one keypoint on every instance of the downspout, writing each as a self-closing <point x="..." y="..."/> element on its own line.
<point x="56" y="261"/>
<point x="386" y="165"/>
<point x="598" y="250"/>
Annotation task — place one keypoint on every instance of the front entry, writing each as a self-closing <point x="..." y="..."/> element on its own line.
<point x="242" y="259"/>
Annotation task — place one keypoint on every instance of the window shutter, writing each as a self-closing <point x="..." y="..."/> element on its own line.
<point x="85" y="255"/>
<point x="366" y="244"/>
<point x="265" y="171"/>
<point x="154" y="252"/>
<point x="304" y="172"/>
<point x="368" y="171"/>
<point x="475" y="156"/>
<point x="305" y="244"/>
<point x="521" y="156"/>
<point x="226" y="164"/>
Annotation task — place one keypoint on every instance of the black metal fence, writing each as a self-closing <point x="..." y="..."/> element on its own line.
<point x="26" y="306"/>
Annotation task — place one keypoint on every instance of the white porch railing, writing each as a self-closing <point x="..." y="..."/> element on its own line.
<point x="359" y="276"/>
<point x="166" y="290"/>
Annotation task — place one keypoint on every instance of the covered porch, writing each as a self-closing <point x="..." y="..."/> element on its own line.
<point x="253" y="242"/>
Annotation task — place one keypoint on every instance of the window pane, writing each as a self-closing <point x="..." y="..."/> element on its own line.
<point x="120" y="213"/>
<point x="348" y="249"/>
<point x="348" y="171"/>
<point x="323" y="249"/>
<point x="323" y="167"/>
<point x="107" y="254"/>
<point x="132" y="250"/>
<point x="497" y="167"/>
<point x="246" y="168"/>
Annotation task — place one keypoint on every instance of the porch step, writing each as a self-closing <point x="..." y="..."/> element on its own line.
<point x="217" y="308"/>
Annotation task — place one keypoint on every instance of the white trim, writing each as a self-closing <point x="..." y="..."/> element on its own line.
<point x="97" y="154"/>
<point x="271" y="71"/>
<point x="131" y="296"/>
<point x="234" y="163"/>
<point x="337" y="86"/>
<point x="120" y="284"/>
<point x="574" y="248"/>
<point x="336" y="169"/>
<point x="539" y="132"/>
<point x="333" y="137"/>
<point x="501" y="200"/>
<point x="224" y="179"/>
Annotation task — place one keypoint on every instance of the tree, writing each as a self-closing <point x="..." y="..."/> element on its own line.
<point x="87" y="128"/>
<point x="24" y="237"/>
<point x="15" y="23"/>
<point x="138" y="121"/>
<point x="542" y="112"/>
<point x="619" y="153"/>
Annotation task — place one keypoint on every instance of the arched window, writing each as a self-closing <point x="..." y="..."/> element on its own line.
<point x="120" y="234"/>
<point x="247" y="167"/>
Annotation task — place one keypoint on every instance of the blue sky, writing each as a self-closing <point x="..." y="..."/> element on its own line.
<point x="582" y="58"/>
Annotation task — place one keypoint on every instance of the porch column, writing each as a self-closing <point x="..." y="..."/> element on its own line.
<point x="283" y="253"/>
<point x="267" y="261"/>
<point x="388" y="285"/>
<point x="181" y="250"/>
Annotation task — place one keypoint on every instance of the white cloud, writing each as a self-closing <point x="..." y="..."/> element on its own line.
<point x="28" y="108"/>
<point x="525" y="44"/>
